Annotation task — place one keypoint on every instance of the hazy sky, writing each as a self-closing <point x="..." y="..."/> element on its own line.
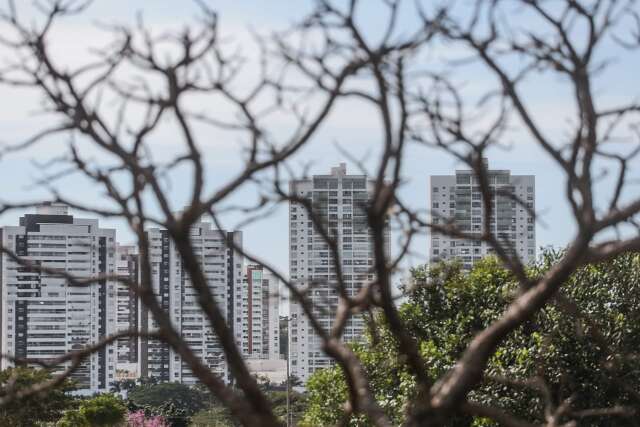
<point x="350" y="125"/>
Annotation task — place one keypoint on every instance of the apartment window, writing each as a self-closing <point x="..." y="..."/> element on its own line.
<point x="463" y="179"/>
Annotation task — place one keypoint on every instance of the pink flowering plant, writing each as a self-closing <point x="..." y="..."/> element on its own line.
<point x="139" y="419"/>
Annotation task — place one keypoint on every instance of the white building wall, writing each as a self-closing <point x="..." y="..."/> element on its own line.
<point x="127" y="312"/>
<point x="458" y="198"/>
<point x="43" y="315"/>
<point x="340" y="200"/>
<point x="272" y="324"/>
<point x="260" y="314"/>
<point x="173" y="289"/>
<point x="235" y="272"/>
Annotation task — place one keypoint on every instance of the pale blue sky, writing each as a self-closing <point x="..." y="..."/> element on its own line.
<point x="350" y="125"/>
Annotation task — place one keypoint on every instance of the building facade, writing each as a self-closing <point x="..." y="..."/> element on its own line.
<point x="458" y="199"/>
<point x="260" y="314"/>
<point x="172" y="286"/>
<point x="43" y="315"/>
<point x="339" y="201"/>
<point x="127" y="306"/>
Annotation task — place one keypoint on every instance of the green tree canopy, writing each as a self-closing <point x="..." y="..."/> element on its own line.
<point x="101" y="410"/>
<point x="73" y="418"/>
<point x="218" y="416"/>
<point x="574" y="354"/>
<point x="40" y="408"/>
<point x="173" y="401"/>
<point x="191" y="399"/>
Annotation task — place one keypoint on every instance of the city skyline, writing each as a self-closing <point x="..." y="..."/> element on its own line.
<point x="249" y="294"/>
<point x="258" y="232"/>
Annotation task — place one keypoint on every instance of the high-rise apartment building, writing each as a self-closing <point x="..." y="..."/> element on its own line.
<point x="222" y="267"/>
<point x="43" y="315"/>
<point x="260" y="314"/>
<point x="458" y="199"/>
<point x="339" y="201"/>
<point x="127" y="311"/>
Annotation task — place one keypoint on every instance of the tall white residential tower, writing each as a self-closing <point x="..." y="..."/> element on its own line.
<point x="458" y="198"/>
<point x="222" y="267"/>
<point x="260" y="314"/>
<point x="127" y="311"/>
<point x="340" y="201"/>
<point x="43" y="315"/>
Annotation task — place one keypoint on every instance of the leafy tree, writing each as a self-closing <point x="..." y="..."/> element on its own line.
<point x="73" y="418"/>
<point x="298" y="404"/>
<point x="551" y="360"/>
<point x="44" y="407"/>
<point x="218" y="416"/>
<point x="101" y="410"/>
<point x="173" y="401"/>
